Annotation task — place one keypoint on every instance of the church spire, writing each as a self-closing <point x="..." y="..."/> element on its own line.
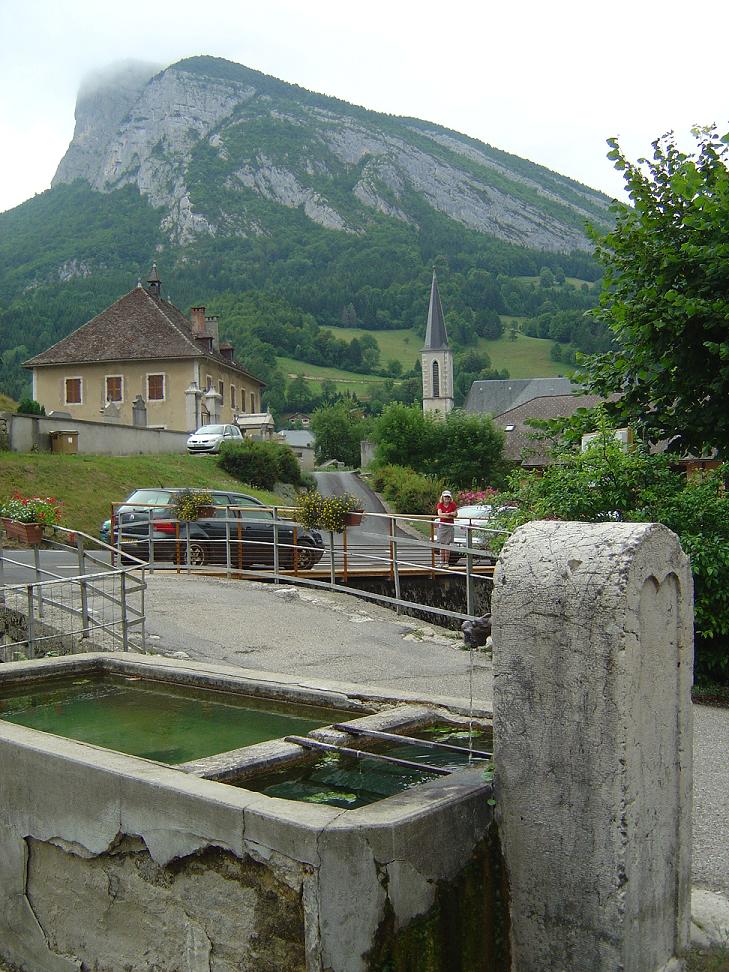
<point x="436" y="336"/>
<point x="154" y="283"/>
<point x="436" y="359"/>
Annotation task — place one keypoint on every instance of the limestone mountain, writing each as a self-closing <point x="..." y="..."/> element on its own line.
<point x="287" y="212"/>
<point x="209" y="141"/>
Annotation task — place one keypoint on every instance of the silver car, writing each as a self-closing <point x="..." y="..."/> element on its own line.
<point x="477" y="519"/>
<point x="209" y="438"/>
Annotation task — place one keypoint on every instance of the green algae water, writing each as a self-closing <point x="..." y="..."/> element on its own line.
<point x="158" y="720"/>
<point x="347" y="782"/>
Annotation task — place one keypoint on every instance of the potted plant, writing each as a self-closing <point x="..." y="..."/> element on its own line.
<point x="25" y="517"/>
<point x="332" y="513"/>
<point x="193" y="504"/>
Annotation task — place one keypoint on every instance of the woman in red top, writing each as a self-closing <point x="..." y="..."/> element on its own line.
<point x="446" y="510"/>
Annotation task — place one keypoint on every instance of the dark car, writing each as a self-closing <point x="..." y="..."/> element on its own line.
<point x="242" y="537"/>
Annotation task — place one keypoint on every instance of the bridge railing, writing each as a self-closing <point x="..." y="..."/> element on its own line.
<point x="264" y="543"/>
<point x="97" y="607"/>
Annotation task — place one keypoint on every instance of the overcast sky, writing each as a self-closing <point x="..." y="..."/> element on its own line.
<point x="547" y="81"/>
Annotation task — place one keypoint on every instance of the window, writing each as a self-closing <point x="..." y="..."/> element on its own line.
<point x="436" y="380"/>
<point x="155" y="388"/>
<point x="221" y="389"/>
<point x="233" y="404"/>
<point x="253" y="402"/>
<point x="114" y="388"/>
<point x="243" y="400"/>
<point x="73" y="391"/>
<point x="208" y="382"/>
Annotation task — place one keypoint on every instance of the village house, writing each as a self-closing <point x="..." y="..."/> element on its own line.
<point x="142" y="362"/>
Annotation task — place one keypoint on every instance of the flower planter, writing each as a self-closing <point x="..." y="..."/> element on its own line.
<point x="30" y="533"/>
<point x="353" y="518"/>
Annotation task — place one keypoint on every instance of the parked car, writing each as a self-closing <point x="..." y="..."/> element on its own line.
<point x="209" y="438"/>
<point x="150" y="533"/>
<point x="477" y="518"/>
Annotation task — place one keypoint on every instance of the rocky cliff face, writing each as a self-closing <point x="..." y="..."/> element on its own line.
<point x="210" y="142"/>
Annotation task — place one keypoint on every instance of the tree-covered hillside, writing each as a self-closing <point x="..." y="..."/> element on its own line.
<point x="291" y="214"/>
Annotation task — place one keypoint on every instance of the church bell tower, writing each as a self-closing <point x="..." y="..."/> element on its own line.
<point x="436" y="359"/>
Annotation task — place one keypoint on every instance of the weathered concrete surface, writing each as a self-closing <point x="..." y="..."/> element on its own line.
<point x="592" y="630"/>
<point x="112" y="862"/>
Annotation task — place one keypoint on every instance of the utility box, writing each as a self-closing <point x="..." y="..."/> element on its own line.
<point x="64" y="440"/>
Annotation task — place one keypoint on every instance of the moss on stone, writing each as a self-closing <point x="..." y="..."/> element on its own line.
<point x="466" y="929"/>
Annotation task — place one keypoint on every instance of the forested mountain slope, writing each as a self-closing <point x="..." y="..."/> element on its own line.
<point x="261" y="194"/>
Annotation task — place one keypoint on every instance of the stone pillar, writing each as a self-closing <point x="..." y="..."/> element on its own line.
<point x="593" y="648"/>
<point x="193" y="394"/>
<point x="139" y="413"/>
<point x="214" y="404"/>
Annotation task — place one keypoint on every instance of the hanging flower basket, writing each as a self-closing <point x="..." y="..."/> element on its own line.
<point x="30" y="533"/>
<point x="334" y="513"/>
<point x="193" y="504"/>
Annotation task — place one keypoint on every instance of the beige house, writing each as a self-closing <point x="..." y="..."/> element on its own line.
<point x="142" y="362"/>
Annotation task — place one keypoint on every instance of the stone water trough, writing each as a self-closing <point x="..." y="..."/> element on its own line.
<point x="114" y="861"/>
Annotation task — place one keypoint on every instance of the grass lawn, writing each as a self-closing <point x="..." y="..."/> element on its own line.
<point x="526" y="357"/>
<point x="88" y="485"/>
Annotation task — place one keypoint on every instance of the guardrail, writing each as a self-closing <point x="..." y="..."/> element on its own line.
<point x="262" y="542"/>
<point x="100" y="607"/>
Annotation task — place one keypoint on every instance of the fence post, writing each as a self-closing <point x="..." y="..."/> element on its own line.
<point x="432" y="548"/>
<point x="2" y="571"/>
<point x="30" y="625"/>
<point x="332" y="571"/>
<point x="82" y="588"/>
<point x="275" y="546"/>
<point x="396" y="571"/>
<point x="39" y="578"/>
<point x="469" y="573"/>
<point x="391" y="530"/>
<point x="344" y="555"/>
<point x="227" y="542"/>
<point x="124" y="621"/>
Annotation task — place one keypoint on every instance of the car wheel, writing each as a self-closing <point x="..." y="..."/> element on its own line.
<point x="197" y="555"/>
<point x="306" y="556"/>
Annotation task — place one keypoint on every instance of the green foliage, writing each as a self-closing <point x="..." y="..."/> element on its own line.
<point x="260" y="463"/>
<point x="339" y="431"/>
<point x="325" y="512"/>
<point x="464" y="450"/>
<point x="666" y="295"/>
<point x="28" y="406"/>
<point x="192" y="504"/>
<point x="407" y="491"/>
<point x="606" y="483"/>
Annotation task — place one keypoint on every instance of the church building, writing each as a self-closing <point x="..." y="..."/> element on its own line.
<point x="436" y="359"/>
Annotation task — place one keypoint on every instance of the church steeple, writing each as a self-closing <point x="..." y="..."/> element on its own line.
<point x="436" y="337"/>
<point x="436" y="358"/>
<point x="154" y="284"/>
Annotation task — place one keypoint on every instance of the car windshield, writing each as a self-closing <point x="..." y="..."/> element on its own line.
<point x="474" y="513"/>
<point x="211" y="430"/>
<point x="149" y="497"/>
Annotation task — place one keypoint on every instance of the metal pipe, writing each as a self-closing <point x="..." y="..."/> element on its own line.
<point x="364" y="754"/>
<point x="409" y="740"/>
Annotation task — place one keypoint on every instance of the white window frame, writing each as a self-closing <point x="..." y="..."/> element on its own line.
<point x="208" y="382"/>
<point x="106" y="389"/>
<point x="233" y="397"/>
<point x="155" y="374"/>
<point x="80" y="381"/>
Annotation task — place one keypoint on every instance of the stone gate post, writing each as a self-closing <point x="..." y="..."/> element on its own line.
<point x="593" y="650"/>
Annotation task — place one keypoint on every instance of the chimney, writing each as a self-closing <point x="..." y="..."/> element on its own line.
<point x="211" y="327"/>
<point x="226" y="349"/>
<point x="197" y="317"/>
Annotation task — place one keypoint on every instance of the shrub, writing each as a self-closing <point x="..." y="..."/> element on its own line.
<point x="260" y="463"/>
<point x="407" y="491"/>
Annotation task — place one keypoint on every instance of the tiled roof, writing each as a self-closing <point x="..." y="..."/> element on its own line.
<point x="494" y="396"/>
<point x="138" y="326"/>
<point x="520" y="445"/>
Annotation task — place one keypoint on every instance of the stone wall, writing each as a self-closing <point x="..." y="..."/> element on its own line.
<point x="32" y="433"/>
